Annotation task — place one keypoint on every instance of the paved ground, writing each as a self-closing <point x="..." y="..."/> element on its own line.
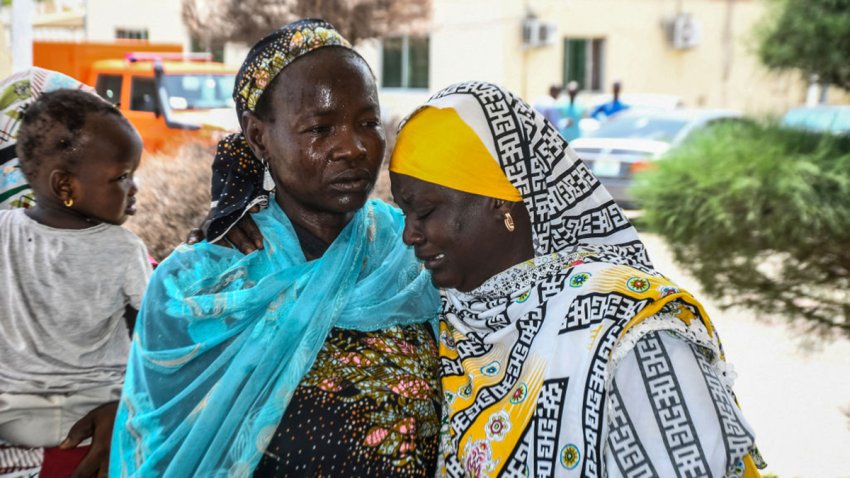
<point x="793" y="388"/>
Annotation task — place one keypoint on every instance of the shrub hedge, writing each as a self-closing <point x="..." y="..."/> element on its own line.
<point x="761" y="216"/>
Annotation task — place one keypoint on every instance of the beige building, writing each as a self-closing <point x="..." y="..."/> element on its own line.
<point x="701" y="51"/>
<point x="159" y="21"/>
<point x="98" y="20"/>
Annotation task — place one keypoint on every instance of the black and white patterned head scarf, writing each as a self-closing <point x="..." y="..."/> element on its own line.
<point x="237" y="175"/>
<point x="567" y="204"/>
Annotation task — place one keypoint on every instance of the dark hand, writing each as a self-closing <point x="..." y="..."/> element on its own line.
<point x="97" y="424"/>
<point x="244" y="236"/>
<point x="195" y="235"/>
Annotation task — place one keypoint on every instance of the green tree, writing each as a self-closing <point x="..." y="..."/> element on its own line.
<point x="810" y="35"/>
<point x="761" y="216"/>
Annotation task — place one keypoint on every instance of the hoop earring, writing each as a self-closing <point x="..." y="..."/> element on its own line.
<point x="509" y="222"/>
<point x="68" y="202"/>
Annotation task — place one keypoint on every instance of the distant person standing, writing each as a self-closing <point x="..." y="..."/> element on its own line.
<point x="548" y="106"/>
<point x="571" y="114"/>
<point x="610" y="108"/>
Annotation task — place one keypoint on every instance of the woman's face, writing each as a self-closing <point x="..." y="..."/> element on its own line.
<point x="323" y="138"/>
<point x="460" y="238"/>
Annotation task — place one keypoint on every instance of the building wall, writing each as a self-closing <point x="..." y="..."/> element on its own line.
<point x="5" y="50"/>
<point x="721" y="71"/>
<point x="469" y="40"/>
<point x="482" y="39"/>
<point x="162" y="19"/>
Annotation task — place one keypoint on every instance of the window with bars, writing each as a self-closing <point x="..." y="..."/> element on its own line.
<point x="131" y="33"/>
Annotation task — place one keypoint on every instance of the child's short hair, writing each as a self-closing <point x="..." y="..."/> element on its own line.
<point x="51" y="127"/>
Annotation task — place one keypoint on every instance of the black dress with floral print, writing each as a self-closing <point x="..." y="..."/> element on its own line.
<point x="369" y="406"/>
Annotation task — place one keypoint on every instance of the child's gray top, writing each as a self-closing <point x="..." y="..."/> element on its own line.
<point x="62" y="298"/>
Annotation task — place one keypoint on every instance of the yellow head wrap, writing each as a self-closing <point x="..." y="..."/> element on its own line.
<point x="436" y="145"/>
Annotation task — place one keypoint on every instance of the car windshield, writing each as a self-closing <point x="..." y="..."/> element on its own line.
<point x="199" y="91"/>
<point x="834" y="120"/>
<point x="640" y="127"/>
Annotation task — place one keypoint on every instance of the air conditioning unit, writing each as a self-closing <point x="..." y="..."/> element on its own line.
<point x="683" y="32"/>
<point x="536" y="33"/>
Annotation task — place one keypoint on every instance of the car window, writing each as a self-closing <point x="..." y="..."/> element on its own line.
<point x="640" y="127"/>
<point x="193" y="91"/>
<point x="842" y="121"/>
<point x="143" y="94"/>
<point x="109" y="88"/>
<point x="834" y="120"/>
<point x="806" y="119"/>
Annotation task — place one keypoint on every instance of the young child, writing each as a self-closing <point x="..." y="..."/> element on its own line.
<point x="73" y="278"/>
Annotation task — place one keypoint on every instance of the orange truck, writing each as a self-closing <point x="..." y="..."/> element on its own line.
<point x="170" y="97"/>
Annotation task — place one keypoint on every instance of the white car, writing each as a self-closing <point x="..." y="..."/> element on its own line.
<point x="629" y="141"/>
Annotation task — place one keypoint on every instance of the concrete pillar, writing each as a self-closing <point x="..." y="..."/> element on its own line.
<point x="21" y="29"/>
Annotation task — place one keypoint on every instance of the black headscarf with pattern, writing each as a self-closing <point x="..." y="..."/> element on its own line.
<point x="237" y="174"/>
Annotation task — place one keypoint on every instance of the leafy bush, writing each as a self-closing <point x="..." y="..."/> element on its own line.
<point x="761" y="216"/>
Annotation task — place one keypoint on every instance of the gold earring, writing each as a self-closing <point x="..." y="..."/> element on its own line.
<point x="509" y="222"/>
<point x="69" y="202"/>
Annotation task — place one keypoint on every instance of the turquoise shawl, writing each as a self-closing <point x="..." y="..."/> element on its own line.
<point x="223" y="339"/>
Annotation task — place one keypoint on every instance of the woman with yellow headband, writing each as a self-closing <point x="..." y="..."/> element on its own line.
<point x="563" y="352"/>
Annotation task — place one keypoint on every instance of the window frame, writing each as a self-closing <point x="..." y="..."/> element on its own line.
<point x="123" y="33"/>
<point x="133" y="85"/>
<point x="406" y="63"/>
<point x="593" y="70"/>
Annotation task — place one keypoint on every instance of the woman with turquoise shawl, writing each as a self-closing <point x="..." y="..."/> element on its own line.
<point x="313" y="355"/>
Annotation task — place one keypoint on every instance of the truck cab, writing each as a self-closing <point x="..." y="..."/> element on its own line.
<point x="169" y="98"/>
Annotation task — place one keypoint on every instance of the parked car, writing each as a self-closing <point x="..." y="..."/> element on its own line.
<point x="654" y="101"/>
<point x="642" y="101"/>
<point x="630" y="141"/>
<point x="833" y="119"/>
